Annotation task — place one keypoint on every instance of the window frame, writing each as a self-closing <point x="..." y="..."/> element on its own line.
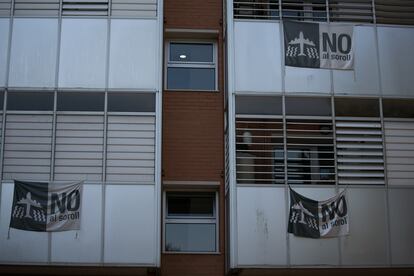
<point x="191" y="219"/>
<point x="191" y="64"/>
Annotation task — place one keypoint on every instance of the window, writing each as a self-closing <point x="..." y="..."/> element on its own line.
<point x="191" y="66"/>
<point x="191" y="222"/>
<point x="30" y="101"/>
<point x="80" y="101"/>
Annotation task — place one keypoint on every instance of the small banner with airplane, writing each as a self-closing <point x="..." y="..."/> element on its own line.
<point x="40" y="206"/>
<point x="319" y="45"/>
<point x="318" y="219"/>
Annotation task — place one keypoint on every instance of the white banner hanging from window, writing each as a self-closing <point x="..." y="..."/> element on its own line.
<point x="319" y="45"/>
<point x="318" y="219"/>
<point x="46" y="207"/>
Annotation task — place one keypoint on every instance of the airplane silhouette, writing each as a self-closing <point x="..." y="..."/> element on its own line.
<point x="29" y="202"/>
<point x="299" y="207"/>
<point x="302" y="42"/>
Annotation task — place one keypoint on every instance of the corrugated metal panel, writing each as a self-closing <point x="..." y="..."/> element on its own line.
<point x="131" y="148"/>
<point x="134" y="8"/>
<point x="399" y="138"/>
<point x="79" y="147"/>
<point x="85" y="7"/>
<point x="259" y="151"/>
<point x="394" y="11"/>
<point x="5" y="7"/>
<point x="28" y="147"/>
<point x="359" y="151"/>
<point x="36" y="7"/>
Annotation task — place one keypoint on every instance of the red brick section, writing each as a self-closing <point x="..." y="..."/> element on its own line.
<point x="193" y="146"/>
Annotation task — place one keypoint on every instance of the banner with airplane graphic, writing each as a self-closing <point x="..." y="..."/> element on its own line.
<point x="319" y="45"/>
<point x="318" y="219"/>
<point x="42" y="206"/>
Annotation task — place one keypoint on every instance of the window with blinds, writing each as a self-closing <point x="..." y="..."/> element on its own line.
<point x="359" y="142"/>
<point x="310" y="10"/>
<point x="256" y="9"/>
<point x="309" y="141"/>
<point x="310" y="151"/>
<point x="259" y="151"/>
<point x="394" y="12"/>
<point x="399" y="140"/>
<point x="351" y="10"/>
<point x="134" y="8"/>
<point x="36" y="7"/>
<point x="28" y="136"/>
<point x="363" y="11"/>
<point x="85" y="7"/>
<point x="5" y="7"/>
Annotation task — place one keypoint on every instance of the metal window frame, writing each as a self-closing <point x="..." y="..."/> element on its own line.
<point x="191" y="220"/>
<point x="197" y="65"/>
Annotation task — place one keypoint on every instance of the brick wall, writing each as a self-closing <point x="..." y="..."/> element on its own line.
<point x="193" y="146"/>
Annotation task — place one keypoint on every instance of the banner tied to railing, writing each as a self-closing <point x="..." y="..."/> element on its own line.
<point x="318" y="219"/>
<point x="319" y="45"/>
<point x="42" y="206"/>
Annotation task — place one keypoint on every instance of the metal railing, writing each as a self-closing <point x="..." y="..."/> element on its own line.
<point x="361" y="11"/>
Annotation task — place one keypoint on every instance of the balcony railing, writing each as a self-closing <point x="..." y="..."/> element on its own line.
<point x="362" y="11"/>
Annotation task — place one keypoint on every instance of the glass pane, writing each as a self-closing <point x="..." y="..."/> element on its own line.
<point x="78" y="101"/>
<point x="4" y="43"/>
<point x="37" y="101"/>
<point x="1" y="100"/>
<point x="357" y="107"/>
<point x="191" y="78"/>
<point x="259" y="105"/>
<point x="308" y="106"/>
<point x="186" y="52"/>
<point x="398" y="108"/>
<point x="190" y="204"/>
<point x="131" y="102"/>
<point x="190" y="237"/>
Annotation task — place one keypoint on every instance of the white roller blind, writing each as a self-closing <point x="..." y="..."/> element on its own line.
<point x="85" y="7"/>
<point x="28" y="147"/>
<point x="79" y="147"/>
<point x="131" y="148"/>
<point x="359" y="151"/>
<point x="5" y="7"/>
<point x="134" y="8"/>
<point x="399" y="139"/>
<point x="36" y="7"/>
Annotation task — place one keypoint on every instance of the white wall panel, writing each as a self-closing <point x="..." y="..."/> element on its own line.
<point x="133" y="54"/>
<point x="23" y="246"/>
<point x="364" y="79"/>
<point x="131" y="149"/>
<point x="83" y="53"/>
<point x="33" y="53"/>
<point x="305" y="251"/>
<point x="307" y="80"/>
<point x="396" y="59"/>
<point x="28" y="147"/>
<point x="79" y="147"/>
<point x="130" y="224"/>
<point x="4" y="42"/>
<point x="366" y="243"/>
<point x="257" y="57"/>
<point x="86" y="248"/>
<point x="261" y="226"/>
<point x="402" y="226"/>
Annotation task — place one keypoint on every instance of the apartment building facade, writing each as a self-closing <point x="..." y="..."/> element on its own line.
<point x="188" y="129"/>
<point x="319" y="132"/>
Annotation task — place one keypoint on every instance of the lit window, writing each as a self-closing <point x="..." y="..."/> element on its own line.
<point x="191" y="66"/>
<point x="191" y="222"/>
